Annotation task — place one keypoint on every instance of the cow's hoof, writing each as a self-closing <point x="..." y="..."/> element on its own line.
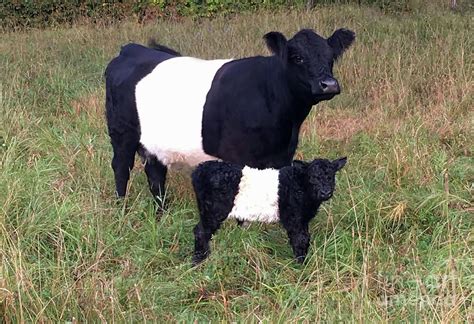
<point x="159" y="213"/>
<point x="160" y="209"/>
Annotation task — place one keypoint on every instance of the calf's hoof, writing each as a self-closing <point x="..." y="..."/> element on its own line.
<point x="198" y="258"/>
<point x="300" y="259"/>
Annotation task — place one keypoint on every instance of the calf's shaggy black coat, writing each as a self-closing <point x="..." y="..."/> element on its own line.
<point x="302" y="188"/>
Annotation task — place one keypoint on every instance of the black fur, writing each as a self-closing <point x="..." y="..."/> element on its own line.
<point x="302" y="189"/>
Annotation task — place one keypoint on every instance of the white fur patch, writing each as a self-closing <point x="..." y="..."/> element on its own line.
<point x="257" y="199"/>
<point x="170" y="102"/>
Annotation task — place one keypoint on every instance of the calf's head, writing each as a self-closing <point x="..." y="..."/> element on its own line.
<point x="321" y="177"/>
<point x="309" y="60"/>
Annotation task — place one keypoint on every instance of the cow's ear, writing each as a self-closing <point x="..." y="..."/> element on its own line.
<point x="340" y="41"/>
<point x="277" y="44"/>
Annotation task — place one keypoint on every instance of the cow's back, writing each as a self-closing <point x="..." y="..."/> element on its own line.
<point x="121" y="76"/>
<point x="133" y="63"/>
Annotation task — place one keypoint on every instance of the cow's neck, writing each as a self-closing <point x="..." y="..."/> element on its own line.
<point x="301" y="111"/>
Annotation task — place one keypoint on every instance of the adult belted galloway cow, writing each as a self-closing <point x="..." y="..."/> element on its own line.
<point x="175" y="109"/>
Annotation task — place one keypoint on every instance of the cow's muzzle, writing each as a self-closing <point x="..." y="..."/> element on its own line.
<point x="329" y="86"/>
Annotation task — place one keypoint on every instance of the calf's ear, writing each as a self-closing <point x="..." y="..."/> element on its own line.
<point x="277" y="44"/>
<point x="340" y="41"/>
<point x="299" y="163"/>
<point x="339" y="163"/>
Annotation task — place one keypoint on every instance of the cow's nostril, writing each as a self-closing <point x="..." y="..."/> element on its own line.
<point x="329" y="85"/>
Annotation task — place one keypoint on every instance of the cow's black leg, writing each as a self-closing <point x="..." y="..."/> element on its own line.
<point x="299" y="240"/>
<point x="156" y="174"/>
<point x="124" y="146"/>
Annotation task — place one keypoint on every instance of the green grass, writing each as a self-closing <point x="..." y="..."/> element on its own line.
<point x="394" y="244"/>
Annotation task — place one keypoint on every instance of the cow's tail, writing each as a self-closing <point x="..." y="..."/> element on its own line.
<point x="154" y="45"/>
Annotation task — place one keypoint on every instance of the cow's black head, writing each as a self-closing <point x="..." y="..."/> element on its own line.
<point x="321" y="177"/>
<point x="309" y="59"/>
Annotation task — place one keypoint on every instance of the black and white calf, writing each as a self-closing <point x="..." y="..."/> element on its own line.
<point x="249" y="111"/>
<point x="291" y="196"/>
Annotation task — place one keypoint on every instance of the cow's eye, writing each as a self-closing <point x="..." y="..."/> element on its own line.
<point x="297" y="59"/>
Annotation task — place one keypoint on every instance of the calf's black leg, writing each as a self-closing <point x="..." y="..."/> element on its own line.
<point x="299" y="240"/>
<point x="202" y="236"/>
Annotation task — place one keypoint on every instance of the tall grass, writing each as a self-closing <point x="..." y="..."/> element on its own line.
<point x="394" y="244"/>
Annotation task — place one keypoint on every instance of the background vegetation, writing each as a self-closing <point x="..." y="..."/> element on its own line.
<point x="395" y="243"/>
<point x="21" y="14"/>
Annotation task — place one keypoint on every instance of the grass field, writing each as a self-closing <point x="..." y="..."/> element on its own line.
<point x="395" y="242"/>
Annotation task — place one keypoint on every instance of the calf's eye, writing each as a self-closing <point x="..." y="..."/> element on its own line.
<point x="297" y="59"/>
